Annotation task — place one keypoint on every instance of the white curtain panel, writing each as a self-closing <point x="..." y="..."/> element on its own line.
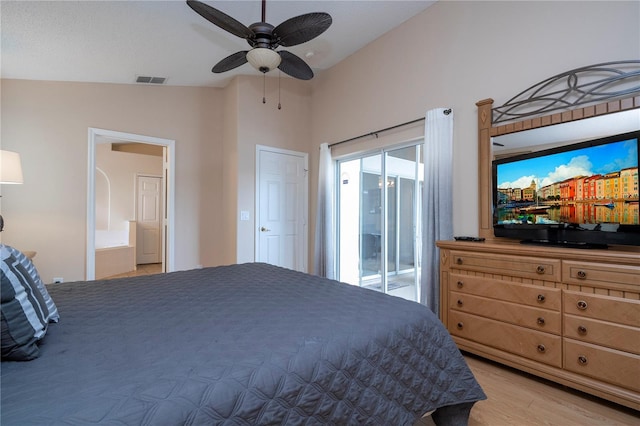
<point x="323" y="262"/>
<point x="437" y="202"/>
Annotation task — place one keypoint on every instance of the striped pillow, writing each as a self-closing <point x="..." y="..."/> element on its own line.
<point x="24" y="311"/>
<point x="33" y="272"/>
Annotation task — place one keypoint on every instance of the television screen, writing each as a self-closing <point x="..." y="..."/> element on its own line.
<point x="579" y="195"/>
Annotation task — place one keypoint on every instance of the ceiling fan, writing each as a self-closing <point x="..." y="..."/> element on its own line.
<point x="264" y="38"/>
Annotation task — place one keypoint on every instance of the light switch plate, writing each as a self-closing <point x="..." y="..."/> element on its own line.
<point x="244" y="215"/>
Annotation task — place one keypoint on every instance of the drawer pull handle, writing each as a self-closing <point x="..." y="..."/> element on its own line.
<point x="459" y="260"/>
<point x="460" y="325"/>
<point x="582" y="330"/>
<point x="582" y="274"/>
<point x="582" y="305"/>
<point x="541" y="348"/>
<point x="459" y="302"/>
<point x="540" y="269"/>
<point x="582" y="360"/>
<point x="540" y="321"/>
<point x="460" y="284"/>
<point x="541" y="298"/>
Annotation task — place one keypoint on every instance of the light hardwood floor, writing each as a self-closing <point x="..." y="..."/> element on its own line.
<point x="515" y="398"/>
<point x="147" y="269"/>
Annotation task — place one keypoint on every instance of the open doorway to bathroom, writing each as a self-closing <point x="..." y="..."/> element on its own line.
<point x="130" y="204"/>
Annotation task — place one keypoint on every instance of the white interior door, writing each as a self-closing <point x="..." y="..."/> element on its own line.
<point x="149" y="220"/>
<point x="281" y="235"/>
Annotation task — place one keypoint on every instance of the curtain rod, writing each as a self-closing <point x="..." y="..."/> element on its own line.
<point x="446" y="112"/>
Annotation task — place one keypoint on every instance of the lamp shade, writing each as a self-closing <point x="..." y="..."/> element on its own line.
<point x="10" y="167"/>
<point x="263" y="59"/>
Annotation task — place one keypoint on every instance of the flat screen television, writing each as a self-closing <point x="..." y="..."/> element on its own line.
<point x="581" y="195"/>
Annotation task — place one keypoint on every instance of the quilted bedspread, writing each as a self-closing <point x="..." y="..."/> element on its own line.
<point x="249" y="344"/>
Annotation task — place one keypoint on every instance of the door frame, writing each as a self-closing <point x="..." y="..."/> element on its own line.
<point x="305" y="201"/>
<point x="97" y="136"/>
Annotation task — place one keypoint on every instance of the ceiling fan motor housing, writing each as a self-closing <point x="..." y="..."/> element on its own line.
<point x="263" y="36"/>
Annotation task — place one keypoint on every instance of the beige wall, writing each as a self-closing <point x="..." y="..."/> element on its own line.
<point x="456" y="53"/>
<point x="265" y="124"/>
<point x="216" y="133"/>
<point x="453" y="54"/>
<point x="47" y="123"/>
<point x="229" y="205"/>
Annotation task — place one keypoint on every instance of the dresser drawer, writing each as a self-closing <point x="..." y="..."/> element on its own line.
<point x="528" y="267"/>
<point x="618" y="368"/>
<point x="534" y="318"/>
<point x="618" y="277"/>
<point x="535" y="345"/>
<point x="615" y="336"/>
<point x="530" y="295"/>
<point x="607" y="308"/>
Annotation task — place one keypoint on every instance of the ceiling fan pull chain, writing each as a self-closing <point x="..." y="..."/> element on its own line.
<point x="264" y="88"/>
<point x="279" y="77"/>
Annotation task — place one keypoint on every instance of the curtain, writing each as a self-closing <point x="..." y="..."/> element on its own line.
<point x="437" y="201"/>
<point x="323" y="262"/>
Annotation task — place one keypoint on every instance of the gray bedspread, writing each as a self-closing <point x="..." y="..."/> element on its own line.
<point x="249" y="344"/>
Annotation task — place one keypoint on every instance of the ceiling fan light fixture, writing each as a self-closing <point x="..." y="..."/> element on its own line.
<point x="263" y="59"/>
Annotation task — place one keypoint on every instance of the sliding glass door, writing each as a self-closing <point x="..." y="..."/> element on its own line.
<point x="379" y="234"/>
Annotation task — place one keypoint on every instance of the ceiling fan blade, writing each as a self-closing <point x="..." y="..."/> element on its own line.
<point x="294" y="66"/>
<point x="220" y="19"/>
<point x="301" y="28"/>
<point x="231" y="62"/>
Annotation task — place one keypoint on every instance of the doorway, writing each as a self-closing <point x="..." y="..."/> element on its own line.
<point x="102" y="136"/>
<point x="281" y="207"/>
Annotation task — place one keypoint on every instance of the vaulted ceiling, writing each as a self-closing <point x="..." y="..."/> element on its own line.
<point x="117" y="41"/>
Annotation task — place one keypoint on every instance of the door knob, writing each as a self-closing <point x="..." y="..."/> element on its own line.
<point x="263" y="229"/>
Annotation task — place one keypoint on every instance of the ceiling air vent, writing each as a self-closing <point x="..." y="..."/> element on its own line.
<point x="150" y="80"/>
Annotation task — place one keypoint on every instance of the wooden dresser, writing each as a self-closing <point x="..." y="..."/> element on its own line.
<point x="571" y="316"/>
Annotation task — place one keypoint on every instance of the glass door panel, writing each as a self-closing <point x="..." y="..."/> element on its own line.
<point x="402" y="221"/>
<point x="392" y="224"/>
<point x="359" y="221"/>
<point x="378" y="227"/>
<point x="371" y="227"/>
<point x="407" y="225"/>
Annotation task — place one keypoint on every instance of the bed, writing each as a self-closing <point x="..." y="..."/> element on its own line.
<point x="237" y="345"/>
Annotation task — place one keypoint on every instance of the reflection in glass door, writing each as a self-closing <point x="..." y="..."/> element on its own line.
<point x="379" y="235"/>
<point x="370" y="234"/>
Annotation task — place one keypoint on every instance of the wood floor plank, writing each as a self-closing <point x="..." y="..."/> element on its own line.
<point x="515" y="398"/>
